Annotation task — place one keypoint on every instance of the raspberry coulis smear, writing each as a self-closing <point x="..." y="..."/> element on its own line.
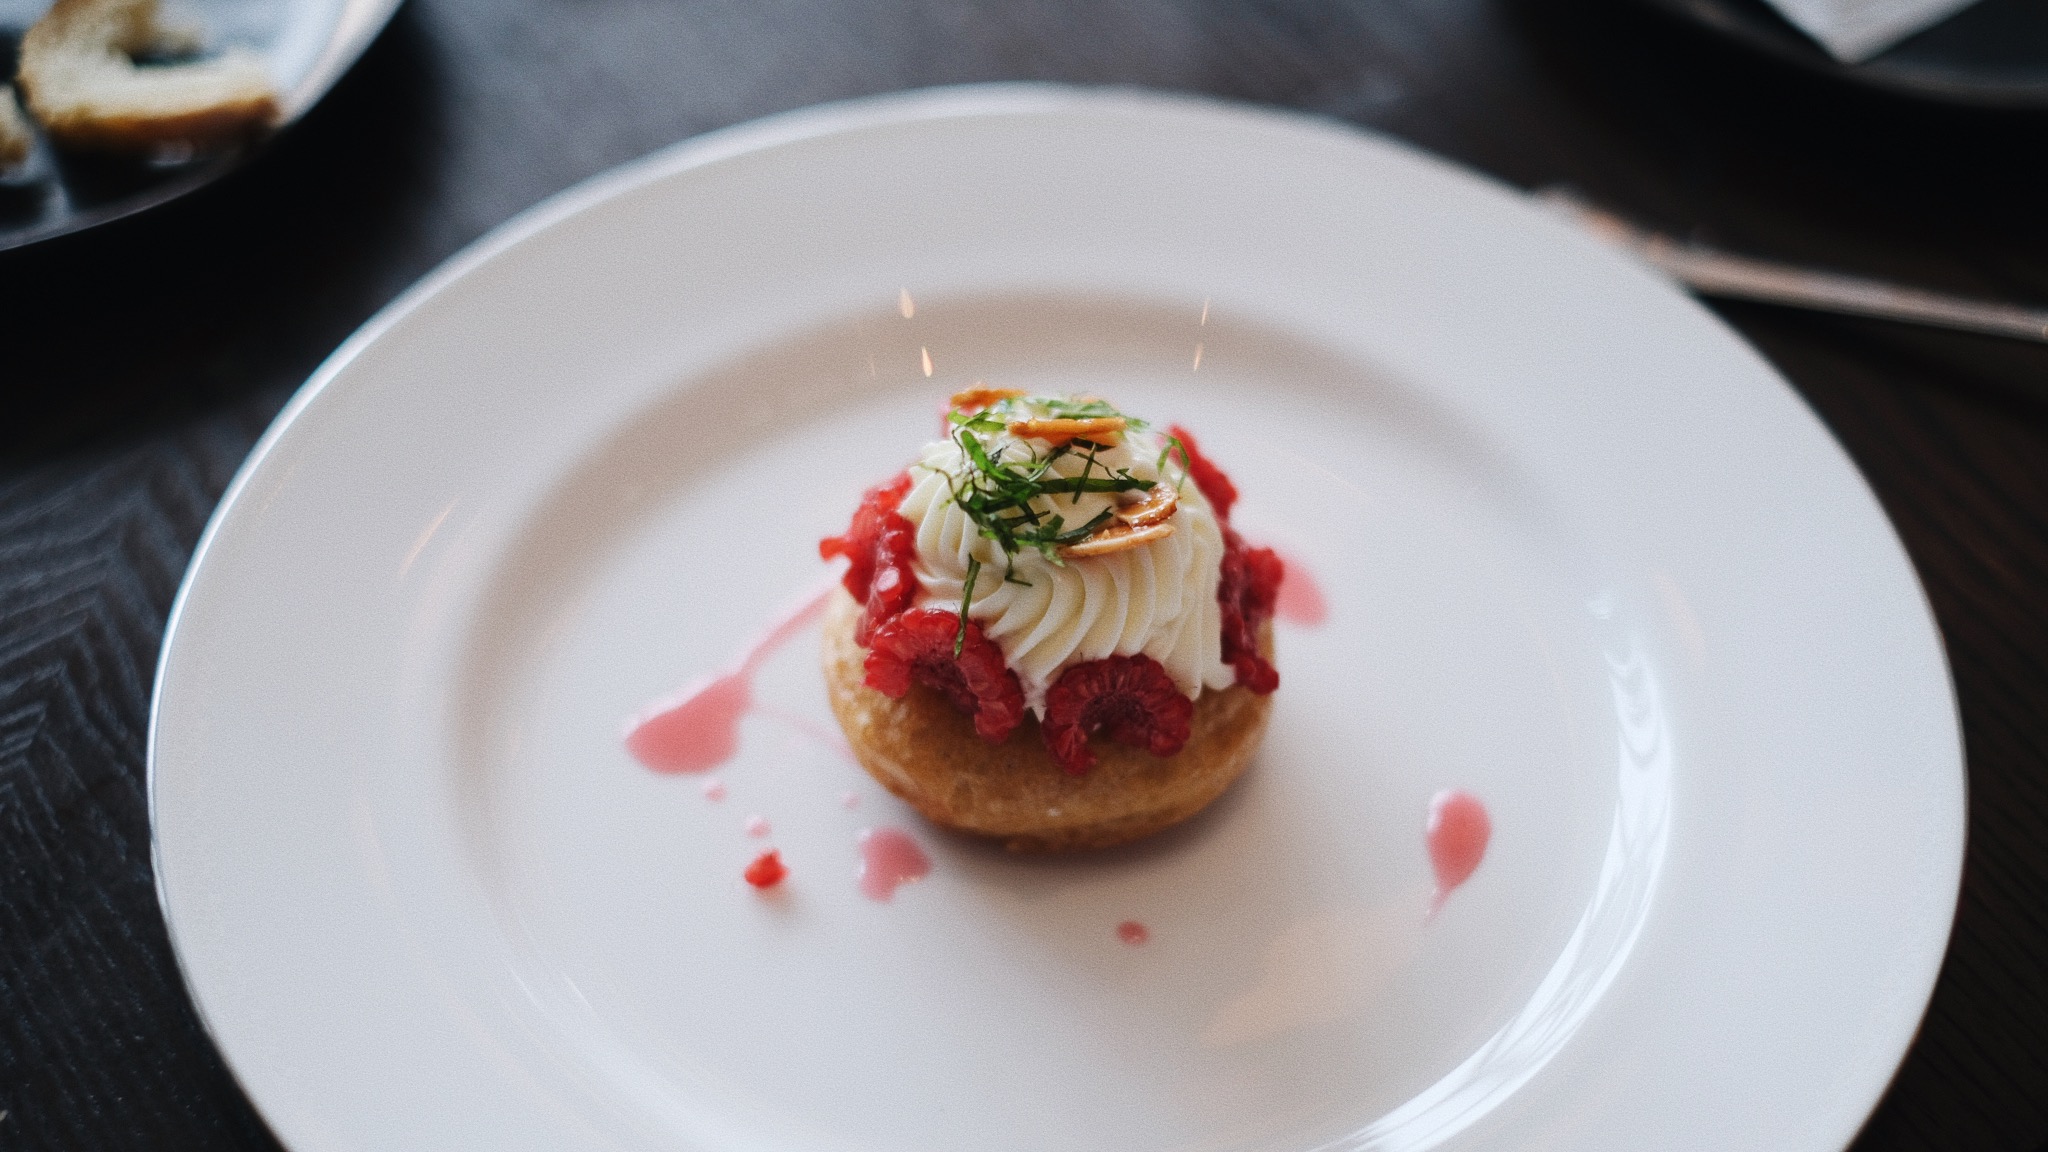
<point x="698" y="728"/>
<point x="1300" y="601"/>
<point x="1457" y="835"/>
<point x="889" y="859"/>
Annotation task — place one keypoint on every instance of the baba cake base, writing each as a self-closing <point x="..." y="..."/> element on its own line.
<point x="927" y="754"/>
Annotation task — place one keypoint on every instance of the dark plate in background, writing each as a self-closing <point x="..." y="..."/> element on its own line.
<point x="57" y="193"/>
<point x="1992" y="54"/>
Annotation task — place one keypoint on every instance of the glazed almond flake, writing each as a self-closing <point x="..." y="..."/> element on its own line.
<point x="1117" y="538"/>
<point x="1107" y="431"/>
<point x="981" y="396"/>
<point x="1154" y="507"/>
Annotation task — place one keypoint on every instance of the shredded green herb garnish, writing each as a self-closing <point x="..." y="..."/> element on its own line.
<point x="966" y="598"/>
<point x="1173" y="451"/>
<point x="997" y="493"/>
<point x="1065" y="409"/>
<point x="1087" y="466"/>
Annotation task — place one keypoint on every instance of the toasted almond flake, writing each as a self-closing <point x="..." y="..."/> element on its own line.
<point x="981" y="396"/>
<point x="1107" y="431"/>
<point x="1154" y="507"/>
<point x="1117" y="538"/>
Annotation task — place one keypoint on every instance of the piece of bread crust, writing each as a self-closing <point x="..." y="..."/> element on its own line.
<point x="16" y="137"/>
<point x="925" y="752"/>
<point x="86" y="90"/>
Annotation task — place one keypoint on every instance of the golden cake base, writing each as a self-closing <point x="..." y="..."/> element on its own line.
<point x="926" y="753"/>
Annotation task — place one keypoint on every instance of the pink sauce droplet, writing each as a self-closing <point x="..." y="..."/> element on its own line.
<point x="828" y="735"/>
<point x="1457" y="834"/>
<point x="698" y="732"/>
<point x="1301" y="598"/>
<point x="698" y="729"/>
<point x="714" y="789"/>
<point x="850" y="801"/>
<point x="1133" y="933"/>
<point x="757" y="825"/>
<point x="889" y="858"/>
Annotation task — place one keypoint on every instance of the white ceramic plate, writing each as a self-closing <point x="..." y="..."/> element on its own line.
<point x="1586" y="556"/>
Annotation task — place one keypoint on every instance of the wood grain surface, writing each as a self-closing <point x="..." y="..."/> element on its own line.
<point x="139" y="362"/>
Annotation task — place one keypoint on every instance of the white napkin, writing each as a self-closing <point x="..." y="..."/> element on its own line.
<point x="1856" y="30"/>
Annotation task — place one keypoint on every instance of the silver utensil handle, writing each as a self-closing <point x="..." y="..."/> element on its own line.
<point x="1711" y="272"/>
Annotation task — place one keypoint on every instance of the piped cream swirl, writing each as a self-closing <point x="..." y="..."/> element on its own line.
<point x="1158" y="598"/>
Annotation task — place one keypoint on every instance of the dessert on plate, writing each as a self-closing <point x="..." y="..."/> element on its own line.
<point x="1050" y="633"/>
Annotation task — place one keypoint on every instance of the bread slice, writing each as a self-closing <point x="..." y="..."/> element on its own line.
<point x="16" y="138"/>
<point x="925" y="752"/>
<point x="82" y="83"/>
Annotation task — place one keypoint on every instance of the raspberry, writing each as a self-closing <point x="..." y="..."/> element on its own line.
<point x="767" y="870"/>
<point x="1250" y="584"/>
<point x="1129" y="699"/>
<point x="880" y="547"/>
<point x="864" y="535"/>
<point x="1247" y="591"/>
<point x="918" y="645"/>
<point x="1215" y="486"/>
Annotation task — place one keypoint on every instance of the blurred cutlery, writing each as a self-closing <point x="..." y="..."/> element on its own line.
<point x="1711" y="272"/>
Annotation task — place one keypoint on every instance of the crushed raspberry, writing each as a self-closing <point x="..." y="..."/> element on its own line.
<point x="1129" y="699"/>
<point x="918" y="645"/>
<point x="1249" y="587"/>
<point x="767" y="870"/>
<point x="1215" y="486"/>
<point x="1247" y="591"/>
<point x="880" y="547"/>
<point x="864" y="535"/>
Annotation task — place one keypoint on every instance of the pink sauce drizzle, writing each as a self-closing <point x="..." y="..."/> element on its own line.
<point x="698" y="729"/>
<point x="1301" y="598"/>
<point x="1457" y="834"/>
<point x="1133" y="933"/>
<point x="889" y="858"/>
<point x="830" y="737"/>
<point x="714" y="789"/>
<point x="850" y="801"/>
<point x="757" y="826"/>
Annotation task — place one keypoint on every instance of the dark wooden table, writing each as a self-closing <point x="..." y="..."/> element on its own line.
<point x="139" y="363"/>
